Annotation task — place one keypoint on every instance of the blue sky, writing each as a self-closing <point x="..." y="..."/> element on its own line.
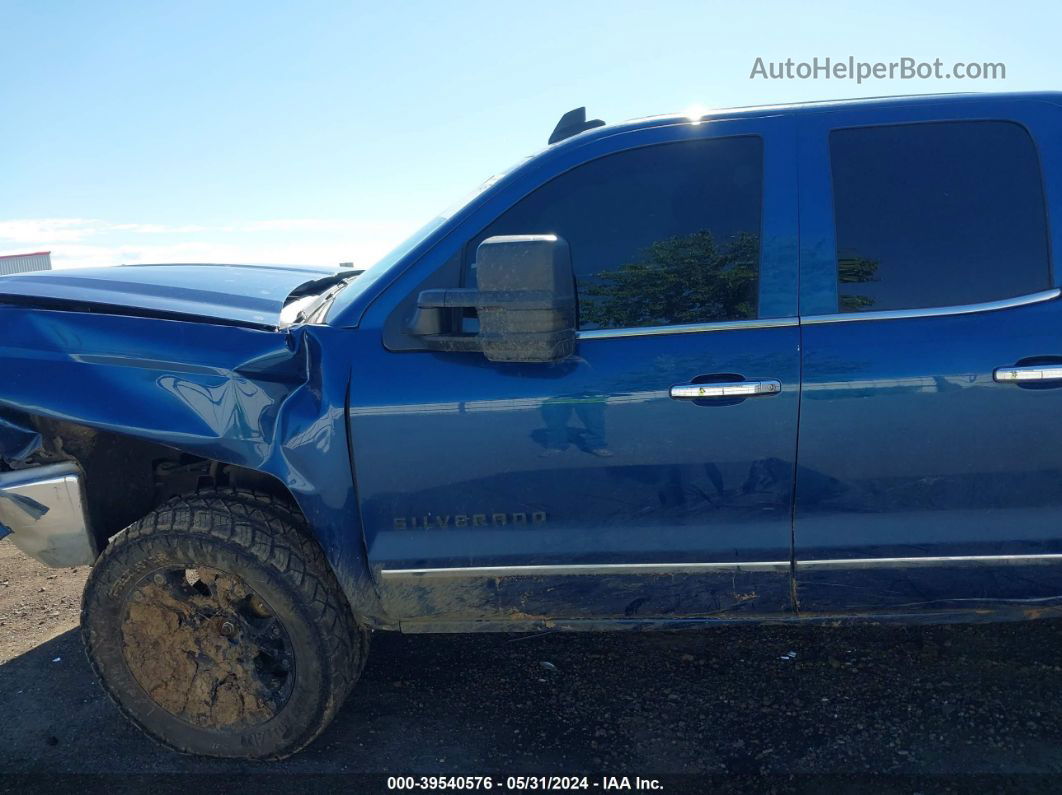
<point x="317" y="132"/>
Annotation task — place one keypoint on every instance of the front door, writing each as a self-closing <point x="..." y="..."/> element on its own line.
<point x="612" y="485"/>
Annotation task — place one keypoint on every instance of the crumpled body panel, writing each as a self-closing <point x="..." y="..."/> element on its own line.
<point x="17" y="442"/>
<point x="263" y="400"/>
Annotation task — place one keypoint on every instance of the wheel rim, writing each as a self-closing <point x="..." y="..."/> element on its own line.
<point x="207" y="648"/>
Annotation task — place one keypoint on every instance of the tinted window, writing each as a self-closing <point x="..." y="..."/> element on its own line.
<point x="937" y="215"/>
<point x="660" y="235"/>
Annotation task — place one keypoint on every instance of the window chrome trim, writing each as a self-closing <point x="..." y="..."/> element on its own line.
<point x="962" y="309"/>
<point x="839" y="317"/>
<point x="688" y="328"/>
<point x="728" y="566"/>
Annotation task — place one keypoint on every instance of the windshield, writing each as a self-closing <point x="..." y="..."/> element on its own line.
<point x="356" y="286"/>
<point x="414" y="240"/>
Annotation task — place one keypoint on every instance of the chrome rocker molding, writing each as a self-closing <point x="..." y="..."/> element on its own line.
<point x="589" y="568"/>
<point x="944" y="560"/>
<point x="43" y="508"/>
<point x="698" y="568"/>
<point x="963" y="309"/>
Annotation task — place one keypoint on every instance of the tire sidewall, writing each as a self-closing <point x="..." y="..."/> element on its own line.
<point x="107" y="594"/>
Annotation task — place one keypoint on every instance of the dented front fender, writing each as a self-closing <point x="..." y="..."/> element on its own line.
<point x="266" y="400"/>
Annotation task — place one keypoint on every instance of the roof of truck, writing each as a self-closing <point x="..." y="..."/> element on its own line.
<point x="819" y="106"/>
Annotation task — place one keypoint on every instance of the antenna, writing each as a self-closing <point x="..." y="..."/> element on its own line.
<point x="572" y="123"/>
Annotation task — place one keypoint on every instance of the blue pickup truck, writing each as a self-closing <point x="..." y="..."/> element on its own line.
<point x="774" y="364"/>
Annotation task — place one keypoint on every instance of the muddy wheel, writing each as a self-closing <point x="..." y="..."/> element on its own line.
<point x="217" y="627"/>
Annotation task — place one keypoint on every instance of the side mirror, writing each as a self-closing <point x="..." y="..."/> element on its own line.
<point x="525" y="300"/>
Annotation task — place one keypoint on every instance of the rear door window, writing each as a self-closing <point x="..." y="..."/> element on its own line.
<point x="937" y="214"/>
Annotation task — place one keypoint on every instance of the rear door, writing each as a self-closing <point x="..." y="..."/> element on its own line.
<point x="584" y="489"/>
<point x="929" y="468"/>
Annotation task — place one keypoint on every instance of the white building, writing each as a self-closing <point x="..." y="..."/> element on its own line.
<point x="21" y="263"/>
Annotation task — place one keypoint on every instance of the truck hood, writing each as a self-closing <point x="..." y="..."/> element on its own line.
<point x="244" y="295"/>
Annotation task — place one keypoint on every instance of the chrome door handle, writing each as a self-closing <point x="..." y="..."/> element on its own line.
<point x="1035" y="372"/>
<point x="725" y="389"/>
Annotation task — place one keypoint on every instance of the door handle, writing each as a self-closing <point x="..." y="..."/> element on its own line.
<point x="1035" y="372"/>
<point x="727" y="389"/>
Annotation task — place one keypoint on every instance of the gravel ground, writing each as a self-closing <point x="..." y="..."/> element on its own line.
<point x="36" y="603"/>
<point x="964" y="708"/>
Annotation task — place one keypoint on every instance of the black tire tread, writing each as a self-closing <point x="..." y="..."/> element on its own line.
<point x="275" y="534"/>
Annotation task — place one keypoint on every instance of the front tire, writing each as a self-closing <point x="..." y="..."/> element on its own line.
<point x="216" y="626"/>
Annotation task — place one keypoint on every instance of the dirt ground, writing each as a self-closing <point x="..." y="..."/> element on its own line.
<point x="898" y="709"/>
<point x="36" y="603"/>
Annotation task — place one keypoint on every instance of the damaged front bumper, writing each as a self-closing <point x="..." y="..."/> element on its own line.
<point x="43" y="509"/>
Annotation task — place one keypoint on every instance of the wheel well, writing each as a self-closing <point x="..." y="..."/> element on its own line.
<point x="126" y="477"/>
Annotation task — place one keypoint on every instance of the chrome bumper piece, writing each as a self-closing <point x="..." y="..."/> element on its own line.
<point x="43" y="509"/>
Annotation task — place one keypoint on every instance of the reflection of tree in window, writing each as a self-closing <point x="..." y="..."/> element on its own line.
<point x="684" y="279"/>
<point x="937" y="214"/>
<point x="854" y="270"/>
<point x="659" y="235"/>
